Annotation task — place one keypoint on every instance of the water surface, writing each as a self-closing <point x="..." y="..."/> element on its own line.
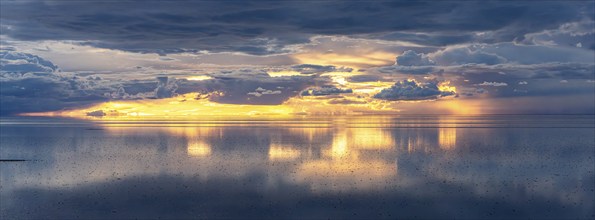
<point x="506" y="166"/>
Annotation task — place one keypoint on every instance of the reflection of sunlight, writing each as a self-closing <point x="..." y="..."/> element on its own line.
<point x="187" y="105"/>
<point x="371" y="138"/>
<point x="309" y="133"/>
<point x="192" y="132"/>
<point x="197" y="148"/>
<point x="447" y="138"/>
<point x="342" y="168"/>
<point x="280" y="152"/>
<point x="339" y="148"/>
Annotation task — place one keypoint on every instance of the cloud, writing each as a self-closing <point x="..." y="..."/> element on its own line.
<point x="25" y="89"/>
<point x="365" y="78"/>
<point x="466" y="55"/>
<point x="165" y="87"/>
<point x="430" y="39"/>
<point x="312" y="69"/>
<point x="493" y="54"/>
<point x="410" y="62"/>
<point x="325" y="90"/>
<point x="238" y="86"/>
<point x="412" y="90"/>
<point x="496" y="84"/>
<point x="411" y="58"/>
<point x="17" y="62"/>
<point x="260" y="91"/>
<point x="578" y="33"/>
<point x="261" y="28"/>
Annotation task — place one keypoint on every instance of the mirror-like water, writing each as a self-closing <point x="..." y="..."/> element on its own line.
<point x="343" y="167"/>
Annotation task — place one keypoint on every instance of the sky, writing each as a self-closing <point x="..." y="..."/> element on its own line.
<point x="184" y="57"/>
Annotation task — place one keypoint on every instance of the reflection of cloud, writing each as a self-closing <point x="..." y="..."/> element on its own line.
<point x="325" y="175"/>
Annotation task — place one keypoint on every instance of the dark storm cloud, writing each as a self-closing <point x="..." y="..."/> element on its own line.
<point x="412" y="90"/>
<point x="263" y="27"/>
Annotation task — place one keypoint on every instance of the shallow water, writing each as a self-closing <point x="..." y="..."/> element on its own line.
<point x="513" y="166"/>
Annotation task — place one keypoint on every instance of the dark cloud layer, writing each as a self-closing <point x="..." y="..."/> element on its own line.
<point x="261" y="27"/>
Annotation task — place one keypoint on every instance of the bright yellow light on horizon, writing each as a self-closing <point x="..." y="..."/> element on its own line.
<point x="199" y="78"/>
<point x="361" y="101"/>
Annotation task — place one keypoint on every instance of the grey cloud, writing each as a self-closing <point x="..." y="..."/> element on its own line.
<point x="531" y="71"/>
<point x="311" y="68"/>
<point x="412" y="90"/>
<point x="411" y="58"/>
<point x="573" y="34"/>
<point x="16" y="62"/>
<point x="249" y="86"/>
<point x="29" y="83"/>
<point x="497" y="84"/>
<point x="365" y="78"/>
<point x="258" y="92"/>
<point x="466" y="55"/>
<point x="430" y="39"/>
<point x="165" y="87"/>
<point x="414" y="70"/>
<point x="258" y="27"/>
<point x="325" y="90"/>
<point x="343" y="101"/>
<point x="494" y="54"/>
<point x="521" y="61"/>
<point x="471" y="91"/>
<point x="25" y="91"/>
<point x="410" y="62"/>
